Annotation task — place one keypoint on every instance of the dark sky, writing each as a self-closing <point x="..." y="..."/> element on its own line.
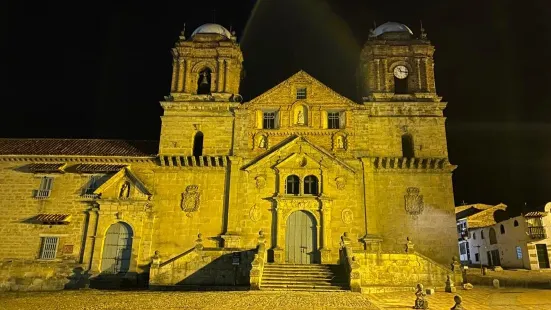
<point x="98" y="71"/>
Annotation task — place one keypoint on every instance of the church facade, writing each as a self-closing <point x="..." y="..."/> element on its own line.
<point x="300" y="169"/>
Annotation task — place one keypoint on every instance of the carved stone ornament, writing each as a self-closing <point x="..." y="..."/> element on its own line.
<point x="302" y="162"/>
<point x="347" y="216"/>
<point x="260" y="181"/>
<point x="190" y="200"/>
<point x="255" y="214"/>
<point x="414" y="201"/>
<point x="340" y="182"/>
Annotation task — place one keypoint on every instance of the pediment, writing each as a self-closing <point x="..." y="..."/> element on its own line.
<point x="295" y="152"/>
<point x="123" y="185"/>
<point x="285" y="93"/>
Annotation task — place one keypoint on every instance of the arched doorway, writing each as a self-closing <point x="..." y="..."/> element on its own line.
<point x="301" y="238"/>
<point x="117" y="249"/>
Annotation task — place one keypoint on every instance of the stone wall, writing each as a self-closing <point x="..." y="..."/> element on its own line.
<point x="33" y="275"/>
<point x="209" y="267"/>
<point x="400" y="270"/>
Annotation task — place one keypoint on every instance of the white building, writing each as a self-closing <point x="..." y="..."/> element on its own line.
<point x="513" y="241"/>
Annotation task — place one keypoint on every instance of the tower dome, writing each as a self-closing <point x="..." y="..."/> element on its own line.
<point x="212" y="29"/>
<point x="391" y="27"/>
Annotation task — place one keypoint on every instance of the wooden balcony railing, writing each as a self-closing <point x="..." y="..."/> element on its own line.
<point x="537" y="232"/>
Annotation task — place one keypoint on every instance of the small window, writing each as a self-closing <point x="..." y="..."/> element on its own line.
<point x="292" y="185"/>
<point x="493" y="237"/>
<point x="92" y="185"/>
<point x="476" y="257"/>
<point x="48" y="248"/>
<point x="502" y="229"/>
<point x="474" y="236"/>
<point x="269" y="120"/>
<point x="334" y="120"/>
<point x="46" y="184"/>
<point x="463" y="248"/>
<point x="519" y="253"/>
<point x="407" y="146"/>
<point x="515" y="223"/>
<point x="481" y="234"/>
<point x="301" y="93"/>
<point x="198" y="144"/>
<point x="311" y="185"/>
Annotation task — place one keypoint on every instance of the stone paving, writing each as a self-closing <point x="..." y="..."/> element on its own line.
<point x="476" y="299"/>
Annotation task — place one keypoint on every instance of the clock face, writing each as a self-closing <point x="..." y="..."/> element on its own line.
<point x="401" y="72"/>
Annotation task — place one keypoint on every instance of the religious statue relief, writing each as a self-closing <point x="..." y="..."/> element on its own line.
<point x="414" y="201"/>
<point x="262" y="142"/>
<point x="190" y="200"/>
<point x="340" y="182"/>
<point x="255" y="214"/>
<point x="347" y="216"/>
<point x="124" y="193"/>
<point x="340" y="142"/>
<point x="260" y="182"/>
<point x="300" y="117"/>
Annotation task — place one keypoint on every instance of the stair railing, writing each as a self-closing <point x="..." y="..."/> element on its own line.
<point x="351" y="265"/>
<point x="258" y="262"/>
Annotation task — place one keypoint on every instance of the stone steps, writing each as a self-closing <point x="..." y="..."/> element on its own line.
<point x="310" y="277"/>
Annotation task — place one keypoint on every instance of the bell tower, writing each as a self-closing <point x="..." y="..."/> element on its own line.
<point x="396" y="66"/>
<point x="198" y="113"/>
<point x="209" y="63"/>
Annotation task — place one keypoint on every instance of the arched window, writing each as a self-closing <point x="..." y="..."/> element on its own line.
<point x="493" y="238"/>
<point x="474" y="236"/>
<point x="407" y="146"/>
<point x="515" y="223"/>
<point x="482" y="234"/>
<point x="203" y="82"/>
<point x="311" y="185"/>
<point x="292" y="185"/>
<point x="502" y="229"/>
<point x="198" y="144"/>
<point x="400" y="86"/>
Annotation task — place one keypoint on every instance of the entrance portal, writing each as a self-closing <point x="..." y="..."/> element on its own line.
<point x="117" y="249"/>
<point x="301" y="238"/>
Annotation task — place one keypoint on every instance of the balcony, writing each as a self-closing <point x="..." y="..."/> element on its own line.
<point x="537" y="232"/>
<point x="41" y="194"/>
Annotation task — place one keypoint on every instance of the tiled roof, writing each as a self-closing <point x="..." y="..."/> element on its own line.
<point x="535" y="214"/>
<point x="45" y="167"/>
<point x="78" y="147"/>
<point x="98" y="168"/>
<point x="52" y="218"/>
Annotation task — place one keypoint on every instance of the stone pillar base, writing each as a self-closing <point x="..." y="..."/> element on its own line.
<point x="279" y="256"/>
<point x="231" y="241"/>
<point x="325" y="256"/>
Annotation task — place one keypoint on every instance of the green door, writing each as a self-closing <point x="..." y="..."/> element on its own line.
<point x="117" y="249"/>
<point x="300" y="238"/>
<point x="543" y="258"/>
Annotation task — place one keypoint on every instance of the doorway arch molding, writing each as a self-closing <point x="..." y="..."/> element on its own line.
<point x="318" y="207"/>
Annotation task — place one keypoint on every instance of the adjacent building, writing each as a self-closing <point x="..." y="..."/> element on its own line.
<point x="295" y="169"/>
<point x="493" y="236"/>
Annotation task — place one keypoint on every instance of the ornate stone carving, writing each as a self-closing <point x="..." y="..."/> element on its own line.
<point x="190" y="200"/>
<point x="340" y="182"/>
<point x="413" y="201"/>
<point x="262" y="142"/>
<point x="255" y="213"/>
<point x="347" y="216"/>
<point x="124" y="193"/>
<point x="260" y="181"/>
<point x="302" y="162"/>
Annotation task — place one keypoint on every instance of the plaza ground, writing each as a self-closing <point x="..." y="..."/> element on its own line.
<point x="476" y="299"/>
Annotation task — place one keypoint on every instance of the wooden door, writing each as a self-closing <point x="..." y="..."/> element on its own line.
<point x="301" y="238"/>
<point x="543" y="257"/>
<point x="117" y="249"/>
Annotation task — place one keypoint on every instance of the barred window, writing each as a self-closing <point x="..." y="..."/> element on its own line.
<point x="269" y="120"/>
<point x="48" y="248"/>
<point x="301" y="93"/>
<point x="333" y="120"/>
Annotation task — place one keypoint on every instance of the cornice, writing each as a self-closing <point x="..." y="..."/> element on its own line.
<point x="402" y="164"/>
<point x="77" y="159"/>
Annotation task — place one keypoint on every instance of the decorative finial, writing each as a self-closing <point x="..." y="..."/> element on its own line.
<point x="183" y="33"/>
<point x="423" y="33"/>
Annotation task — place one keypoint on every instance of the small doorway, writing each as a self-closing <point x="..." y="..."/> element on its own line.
<point x="117" y="249"/>
<point x="493" y="258"/>
<point x="301" y="238"/>
<point x="543" y="257"/>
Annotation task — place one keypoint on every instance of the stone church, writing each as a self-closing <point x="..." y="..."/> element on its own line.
<point x="298" y="182"/>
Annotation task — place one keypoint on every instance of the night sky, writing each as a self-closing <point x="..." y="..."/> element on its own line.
<point x="98" y="71"/>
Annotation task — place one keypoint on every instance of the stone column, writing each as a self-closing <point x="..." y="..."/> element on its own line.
<point x="326" y="231"/>
<point x="181" y="75"/>
<point x="175" y="69"/>
<point x="90" y="237"/>
<point x="233" y="230"/>
<point x="279" y="231"/>
<point x="221" y="80"/>
<point x="385" y="85"/>
<point x="187" y="78"/>
<point x="419" y="85"/>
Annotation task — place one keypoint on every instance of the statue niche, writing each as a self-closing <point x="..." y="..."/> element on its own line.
<point x="124" y="193"/>
<point x="204" y="82"/>
<point x="301" y="115"/>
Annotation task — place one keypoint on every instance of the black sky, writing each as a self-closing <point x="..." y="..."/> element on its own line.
<point x="98" y="70"/>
